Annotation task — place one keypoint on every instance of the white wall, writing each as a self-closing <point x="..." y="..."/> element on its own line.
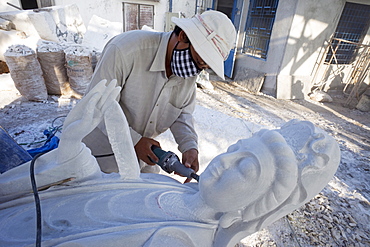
<point x="186" y="7"/>
<point x="271" y="66"/>
<point x="298" y="35"/>
<point x="59" y="24"/>
<point x="5" y="7"/>
<point x="112" y="10"/>
<point x="313" y="23"/>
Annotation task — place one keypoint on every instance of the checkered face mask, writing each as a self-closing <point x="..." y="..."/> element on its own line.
<point x="182" y="63"/>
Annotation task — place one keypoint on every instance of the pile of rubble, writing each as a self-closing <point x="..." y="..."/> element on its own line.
<point x="322" y="222"/>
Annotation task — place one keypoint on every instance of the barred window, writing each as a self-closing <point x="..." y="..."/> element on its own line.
<point x="135" y="16"/>
<point x="351" y="30"/>
<point x="258" y="30"/>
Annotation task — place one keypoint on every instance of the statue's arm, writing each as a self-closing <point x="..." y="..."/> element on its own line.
<point x="72" y="160"/>
<point x="100" y="104"/>
<point x="85" y="117"/>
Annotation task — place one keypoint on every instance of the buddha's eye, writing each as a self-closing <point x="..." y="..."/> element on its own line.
<point x="248" y="166"/>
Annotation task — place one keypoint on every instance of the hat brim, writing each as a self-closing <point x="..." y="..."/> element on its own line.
<point x="205" y="48"/>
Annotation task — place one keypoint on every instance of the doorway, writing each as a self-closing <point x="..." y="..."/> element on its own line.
<point x="35" y="4"/>
<point x="233" y="9"/>
<point x="225" y="6"/>
<point x="29" y="4"/>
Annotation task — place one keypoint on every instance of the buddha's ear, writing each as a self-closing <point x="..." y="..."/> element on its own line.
<point x="229" y="218"/>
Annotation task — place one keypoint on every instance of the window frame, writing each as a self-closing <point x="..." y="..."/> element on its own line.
<point x="139" y="22"/>
<point x="345" y="41"/>
<point x="259" y="26"/>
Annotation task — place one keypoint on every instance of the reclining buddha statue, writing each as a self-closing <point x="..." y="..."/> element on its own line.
<point x="254" y="183"/>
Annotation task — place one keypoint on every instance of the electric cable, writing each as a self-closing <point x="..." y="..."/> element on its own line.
<point x="53" y="130"/>
<point x="52" y="123"/>
<point x="291" y="228"/>
<point x="37" y="200"/>
<point x="103" y="155"/>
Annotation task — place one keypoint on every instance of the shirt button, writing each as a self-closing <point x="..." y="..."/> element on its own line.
<point x="151" y="122"/>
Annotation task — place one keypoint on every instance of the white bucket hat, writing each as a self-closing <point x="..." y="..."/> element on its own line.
<point x="212" y="35"/>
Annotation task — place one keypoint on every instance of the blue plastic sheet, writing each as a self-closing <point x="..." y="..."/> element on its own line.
<point x="11" y="154"/>
<point x="51" y="143"/>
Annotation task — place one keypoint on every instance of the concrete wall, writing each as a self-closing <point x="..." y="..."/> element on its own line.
<point x="113" y="10"/>
<point x="67" y="21"/>
<point x="300" y="30"/>
<point x="4" y="7"/>
<point x="186" y="7"/>
<point x="313" y="23"/>
<point x="247" y="66"/>
<point x="57" y="24"/>
<point x="337" y="76"/>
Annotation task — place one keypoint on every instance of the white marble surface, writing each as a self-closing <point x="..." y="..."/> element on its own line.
<point x="256" y="182"/>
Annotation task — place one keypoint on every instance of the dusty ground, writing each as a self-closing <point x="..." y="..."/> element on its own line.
<point x="338" y="216"/>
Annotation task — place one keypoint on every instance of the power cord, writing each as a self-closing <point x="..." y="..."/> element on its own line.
<point x="37" y="200"/>
<point x="52" y="130"/>
<point x="103" y="155"/>
<point x="291" y="228"/>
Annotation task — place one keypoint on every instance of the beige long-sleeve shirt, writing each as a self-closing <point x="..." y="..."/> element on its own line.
<point x="151" y="102"/>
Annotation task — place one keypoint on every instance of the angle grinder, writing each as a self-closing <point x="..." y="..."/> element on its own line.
<point x="170" y="162"/>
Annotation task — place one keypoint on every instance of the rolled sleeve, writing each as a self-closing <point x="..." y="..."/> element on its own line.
<point x="183" y="128"/>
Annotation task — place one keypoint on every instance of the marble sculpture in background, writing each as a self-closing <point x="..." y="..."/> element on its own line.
<point x="256" y="182"/>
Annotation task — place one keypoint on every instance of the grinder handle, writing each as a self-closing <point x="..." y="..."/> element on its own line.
<point x="170" y="162"/>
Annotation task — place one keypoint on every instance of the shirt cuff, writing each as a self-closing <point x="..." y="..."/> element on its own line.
<point x="187" y="146"/>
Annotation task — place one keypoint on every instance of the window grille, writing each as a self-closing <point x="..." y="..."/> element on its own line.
<point x="352" y="26"/>
<point x="135" y="16"/>
<point x="258" y="30"/>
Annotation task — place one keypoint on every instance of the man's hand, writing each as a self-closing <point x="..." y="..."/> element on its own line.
<point x="143" y="150"/>
<point x="190" y="160"/>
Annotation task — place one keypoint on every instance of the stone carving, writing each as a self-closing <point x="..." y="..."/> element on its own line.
<point x="256" y="182"/>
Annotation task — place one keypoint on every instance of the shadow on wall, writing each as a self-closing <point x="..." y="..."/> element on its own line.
<point x="297" y="89"/>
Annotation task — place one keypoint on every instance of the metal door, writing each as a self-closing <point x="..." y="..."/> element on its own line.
<point x="235" y="17"/>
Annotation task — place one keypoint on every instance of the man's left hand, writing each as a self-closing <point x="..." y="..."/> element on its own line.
<point x="190" y="159"/>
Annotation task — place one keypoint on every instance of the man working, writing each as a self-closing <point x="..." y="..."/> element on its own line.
<point x="157" y="73"/>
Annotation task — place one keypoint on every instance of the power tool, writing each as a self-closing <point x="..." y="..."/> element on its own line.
<point x="169" y="162"/>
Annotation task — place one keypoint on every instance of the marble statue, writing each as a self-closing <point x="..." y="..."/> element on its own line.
<point x="256" y="182"/>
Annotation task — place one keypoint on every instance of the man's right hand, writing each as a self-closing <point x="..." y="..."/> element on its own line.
<point x="143" y="150"/>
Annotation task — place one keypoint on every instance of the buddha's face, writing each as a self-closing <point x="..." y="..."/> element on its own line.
<point x="228" y="183"/>
<point x="265" y="169"/>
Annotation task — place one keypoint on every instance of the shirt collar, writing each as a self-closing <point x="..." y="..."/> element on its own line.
<point x="159" y="62"/>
